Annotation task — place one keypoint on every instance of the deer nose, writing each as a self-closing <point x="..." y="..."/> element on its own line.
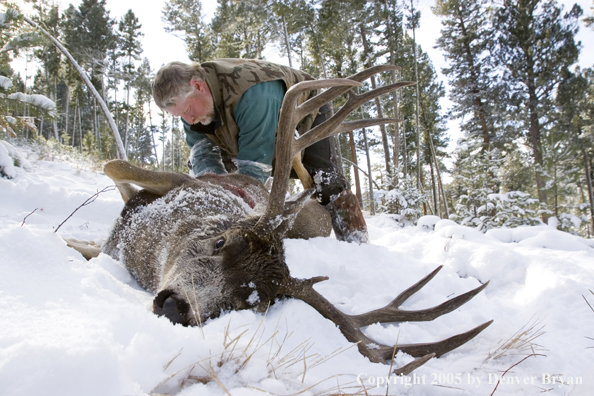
<point x="169" y="304"/>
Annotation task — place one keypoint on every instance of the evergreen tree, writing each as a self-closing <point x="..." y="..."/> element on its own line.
<point x="466" y="37"/>
<point x="572" y="144"/>
<point x="17" y="107"/>
<point x="244" y="28"/>
<point x="50" y="58"/>
<point x="130" y="49"/>
<point x="589" y="20"/>
<point x="368" y="59"/>
<point x="389" y="29"/>
<point x="535" y="45"/>
<point x="430" y="120"/>
<point x="143" y="98"/>
<point x="185" y="17"/>
<point x="89" y="33"/>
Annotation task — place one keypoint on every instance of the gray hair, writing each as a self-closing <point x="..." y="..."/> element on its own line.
<point x="172" y="82"/>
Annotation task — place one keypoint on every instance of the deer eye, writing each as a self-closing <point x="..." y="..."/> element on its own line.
<point x="219" y="243"/>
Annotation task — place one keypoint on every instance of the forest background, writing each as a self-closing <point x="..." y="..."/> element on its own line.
<point x="513" y="144"/>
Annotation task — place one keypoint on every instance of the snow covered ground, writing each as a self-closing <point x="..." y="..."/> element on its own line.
<point x="72" y="327"/>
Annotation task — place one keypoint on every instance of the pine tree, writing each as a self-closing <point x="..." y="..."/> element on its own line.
<point x="535" y="44"/>
<point x="390" y="24"/>
<point x="242" y="29"/>
<point x="130" y="48"/>
<point x="186" y="21"/>
<point x="88" y="33"/>
<point x="50" y="57"/>
<point x="143" y="98"/>
<point x="573" y="144"/>
<point x="466" y="37"/>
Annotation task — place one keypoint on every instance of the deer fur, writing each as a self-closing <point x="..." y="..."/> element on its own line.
<point x="167" y="237"/>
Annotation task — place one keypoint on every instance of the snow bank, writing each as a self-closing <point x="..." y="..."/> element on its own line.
<point x="73" y="327"/>
<point x="6" y="163"/>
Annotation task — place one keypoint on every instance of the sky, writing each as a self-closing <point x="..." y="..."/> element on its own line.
<point x="161" y="47"/>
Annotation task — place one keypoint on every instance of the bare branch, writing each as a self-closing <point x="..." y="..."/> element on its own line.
<point x="34" y="210"/>
<point x="90" y="200"/>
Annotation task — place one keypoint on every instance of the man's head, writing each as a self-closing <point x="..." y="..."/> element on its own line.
<point x="180" y="89"/>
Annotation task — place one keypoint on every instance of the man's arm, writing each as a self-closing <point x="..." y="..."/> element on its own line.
<point x="256" y="115"/>
<point x="205" y="156"/>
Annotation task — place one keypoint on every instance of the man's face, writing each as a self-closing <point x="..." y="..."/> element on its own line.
<point x="196" y="108"/>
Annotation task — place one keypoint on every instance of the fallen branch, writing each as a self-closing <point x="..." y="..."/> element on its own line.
<point x="34" y="210"/>
<point x="89" y="201"/>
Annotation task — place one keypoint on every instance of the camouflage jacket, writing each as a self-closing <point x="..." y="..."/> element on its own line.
<point x="228" y="79"/>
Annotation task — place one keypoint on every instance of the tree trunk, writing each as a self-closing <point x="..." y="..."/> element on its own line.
<point x="355" y="168"/>
<point x="534" y="130"/>
<point x="66" y="112"/>
<point x="337" y="152"/>
<point x="396" y="126"/>
<point x="396" y="141"/>
<point x="127" y="109"/>
<point x="588" y="168"/>
<point x="287" y="42"/>
<point x="54" y="121"/>
<point x="74" y="123"/>
<point x="370" y="175"/>
<point x="153" y="133"/>
<point x="378" y="105"/>
<point x="80" y="134"/>
<point x="418" y="130"/>
<point x="439" y="183"/>
<point x="434" y="190"/>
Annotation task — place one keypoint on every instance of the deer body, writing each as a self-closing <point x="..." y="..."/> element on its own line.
<point x="191" y="249"/>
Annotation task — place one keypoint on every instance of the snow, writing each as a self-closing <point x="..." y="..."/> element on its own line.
<point x="36" y="100"/>
<point x="6" y="163"/>
<point x="77" y="327"/>
<point x="5" y="82"/>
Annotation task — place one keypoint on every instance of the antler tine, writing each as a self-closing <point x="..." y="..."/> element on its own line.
<point x="443" y="346"/>
<point x="365" y="74"/>
<point x="366" y="123"/>
<point x="326" y="96"/>
<point x="333" y="124"/>
<point x="391" y="313"/>
<point x="350" y="325"/>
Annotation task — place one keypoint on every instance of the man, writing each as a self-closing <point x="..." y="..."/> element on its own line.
<point x="230" y="109"/>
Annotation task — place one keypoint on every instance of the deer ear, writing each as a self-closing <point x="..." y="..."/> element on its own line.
<point x="293" y="205"/>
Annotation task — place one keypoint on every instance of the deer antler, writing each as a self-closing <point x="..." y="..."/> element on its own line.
<point x="287" y="145"/>
<point x="350" y="325"/>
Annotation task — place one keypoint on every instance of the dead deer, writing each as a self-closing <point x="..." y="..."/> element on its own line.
<point x="203" y="245"/>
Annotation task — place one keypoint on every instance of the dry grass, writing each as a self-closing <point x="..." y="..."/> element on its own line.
<point x="522" y="342"/>
<point x="240" y="347"/>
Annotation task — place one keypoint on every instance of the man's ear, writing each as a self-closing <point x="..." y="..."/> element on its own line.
<point x="199" y="85"/>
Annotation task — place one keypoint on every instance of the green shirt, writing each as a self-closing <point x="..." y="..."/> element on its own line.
<point x="256" y="115"/>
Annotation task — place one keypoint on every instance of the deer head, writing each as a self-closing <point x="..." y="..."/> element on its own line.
<point x="214" y="243"/>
